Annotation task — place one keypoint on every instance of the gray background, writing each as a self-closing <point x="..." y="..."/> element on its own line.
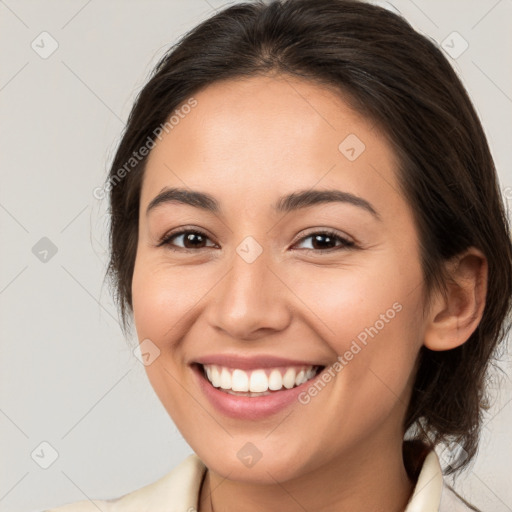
<point x="68" y="378"/>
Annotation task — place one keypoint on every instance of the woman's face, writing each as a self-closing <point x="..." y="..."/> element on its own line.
<point x="263" y="292"/>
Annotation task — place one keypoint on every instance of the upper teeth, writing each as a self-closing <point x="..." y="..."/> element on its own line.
<point x="260" y="380"/>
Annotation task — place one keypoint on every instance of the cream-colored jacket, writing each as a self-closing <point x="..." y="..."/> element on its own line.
<point x="178" y="491"/>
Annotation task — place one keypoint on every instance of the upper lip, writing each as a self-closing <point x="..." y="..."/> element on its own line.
<point x="252" y="362"/>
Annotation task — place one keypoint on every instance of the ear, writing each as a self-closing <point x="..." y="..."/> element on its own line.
<point x="454" y="316"/>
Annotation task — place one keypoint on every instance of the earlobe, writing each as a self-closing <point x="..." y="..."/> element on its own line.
<point x="455" y="315"/>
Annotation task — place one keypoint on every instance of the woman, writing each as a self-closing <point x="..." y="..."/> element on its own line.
<point x="308" y="233"/>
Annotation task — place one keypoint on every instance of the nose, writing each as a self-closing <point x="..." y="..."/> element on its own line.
<point x="252" y="300"/>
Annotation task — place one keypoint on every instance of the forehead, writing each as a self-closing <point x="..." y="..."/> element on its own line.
<point x="252" y="139"/>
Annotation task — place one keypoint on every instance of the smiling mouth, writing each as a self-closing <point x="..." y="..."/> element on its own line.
<point x="257" y="382"/>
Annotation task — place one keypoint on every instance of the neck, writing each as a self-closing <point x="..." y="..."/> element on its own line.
<point x="378" y="481"/>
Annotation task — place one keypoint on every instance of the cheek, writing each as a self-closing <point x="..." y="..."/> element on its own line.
<point x="347" y="300"/>
<point x="371" y="322"/>
<point x="161" y="298"/>
<point x="162" y="295"/>
<point x="370" y="317"/>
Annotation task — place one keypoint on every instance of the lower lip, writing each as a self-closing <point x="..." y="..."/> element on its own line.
<point x="249" y="408"/>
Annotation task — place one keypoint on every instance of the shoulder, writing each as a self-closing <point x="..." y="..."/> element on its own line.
<point x="176" y="491"/>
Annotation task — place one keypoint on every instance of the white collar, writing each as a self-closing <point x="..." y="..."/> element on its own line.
<point x="178" y="491"/>
<point x="181" y="486"/>
<point x="427" y="491"/>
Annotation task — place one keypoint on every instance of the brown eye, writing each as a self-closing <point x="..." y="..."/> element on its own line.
<point x="324" y="241"/>
<point x="191" y="239"/>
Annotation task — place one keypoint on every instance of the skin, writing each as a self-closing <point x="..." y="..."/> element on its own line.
<point x="247" y="142"/>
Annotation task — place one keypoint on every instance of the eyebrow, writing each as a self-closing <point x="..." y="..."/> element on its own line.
<point x="288" y="203"/>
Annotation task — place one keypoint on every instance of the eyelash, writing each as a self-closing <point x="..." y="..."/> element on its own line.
<point x="345" y="244"/>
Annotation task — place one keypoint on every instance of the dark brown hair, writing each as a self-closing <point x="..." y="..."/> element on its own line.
<point x="402" y="81"/>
